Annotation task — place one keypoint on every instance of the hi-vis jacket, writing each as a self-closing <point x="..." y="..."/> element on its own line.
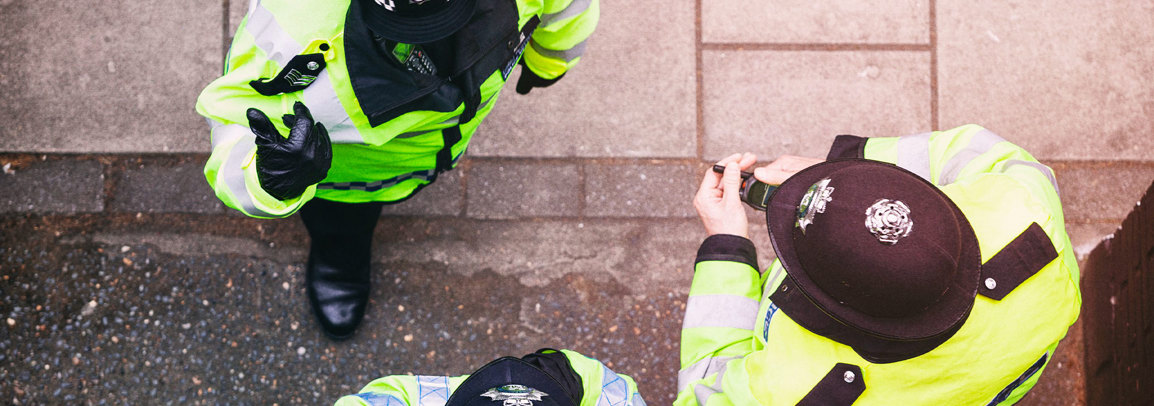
<point x="738" y="349"/>
<point x="392" y="130"/>
<point x="602" y="387"/>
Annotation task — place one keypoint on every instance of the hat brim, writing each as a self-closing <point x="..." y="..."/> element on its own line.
<point x="418" y="30"/>
<point x="823" y="314"/>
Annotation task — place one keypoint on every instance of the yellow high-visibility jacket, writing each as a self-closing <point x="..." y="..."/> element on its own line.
<point x="391" y="134"/>
<point x="737" y="348"/>
<point x="601" y="386"/>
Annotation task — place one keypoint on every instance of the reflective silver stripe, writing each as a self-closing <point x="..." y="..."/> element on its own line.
<point x="1041" y="168"/>
<point x="980" y="143"/>
<point x="637" y="400"/>
<point x="269" y="36"/>
<point x="320" y="97"/>
<point x="434" y="390"/>
<point x="327" y="109"/>
<point x="234" y="176"/>
<point x="567" y="55"/>
<point x="573" y="9"/>
<point x="227" y="133"/>
<point x="720" y="311"/>
<point x="702" y="392"/>
<point x="614" y="390"/>
<point x="380" y="399"/>
<point x="213" y="124"/>
<point x="914" y="154"/>
<point x="700" y="370"/>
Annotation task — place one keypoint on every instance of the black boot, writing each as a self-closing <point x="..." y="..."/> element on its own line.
<point x="337" y="276"/>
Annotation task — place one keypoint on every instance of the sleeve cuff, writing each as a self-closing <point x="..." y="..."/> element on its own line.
<point x="728" y="247"/>
<point x="847" y="146"/>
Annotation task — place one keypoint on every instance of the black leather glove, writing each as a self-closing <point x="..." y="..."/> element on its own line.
<point x="556" y="365"/>
<point x="528" y="80"/>
<point x="288" y="166"/>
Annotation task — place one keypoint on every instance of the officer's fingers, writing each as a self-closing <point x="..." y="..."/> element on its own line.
<point x="783" y="168"/>
<point x="288" y="120"/>
<point x="731" y="181"/>
<point x="260" y="125"/>
<point x="302" y="111"/>
<point x="747" y="160"/>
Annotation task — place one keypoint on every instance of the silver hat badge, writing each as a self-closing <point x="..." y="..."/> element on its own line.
<point x="514" y="395"/>
<point x="889" y="220"/>
<point x="813" y="203"/>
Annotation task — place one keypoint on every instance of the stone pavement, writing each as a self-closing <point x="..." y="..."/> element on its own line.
<point x="124" y="280"/>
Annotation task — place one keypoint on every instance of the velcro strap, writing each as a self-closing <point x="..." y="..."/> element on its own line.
<point x="841" y="386"/>
<point x="1023" y="257"/>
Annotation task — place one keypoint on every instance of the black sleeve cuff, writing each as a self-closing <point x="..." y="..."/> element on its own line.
<point x="728" y="247"/>
<point x="847" y="146"/>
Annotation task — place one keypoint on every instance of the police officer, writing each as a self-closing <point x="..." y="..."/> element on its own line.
<point x="370" y="100"/>
<point x="927" y="269"/>
<point x="544" y="378"/>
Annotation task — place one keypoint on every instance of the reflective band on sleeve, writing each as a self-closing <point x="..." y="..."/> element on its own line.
<point x="574" y="8"/>
<point x="700" y="370"/>
<point x="637" y="400"/>
<point x="614" y="390"/>
<point x="702" y="392"/>
<point x="720" y="311"/>
<point x="434" y="390"/>
<point x="269" y="36"/>
<point x="1041" y="168"/>
<point x="380" y="399"/>
<point x="319" y="97"/>
<point x="980" y="143"/>
<point x="914" y="154"/>
<point x="233" y="174"/>
<point x="228" y="134"/>
<point x="567" y="55"/>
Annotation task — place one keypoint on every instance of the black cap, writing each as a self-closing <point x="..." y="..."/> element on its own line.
<point x="877" y="258"/>
<point x="510" y="378"/>
<point x="416" y="21"/>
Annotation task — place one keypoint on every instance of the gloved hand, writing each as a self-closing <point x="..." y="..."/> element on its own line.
<point x="286" y="167"/>
<point x="528" y="80"/>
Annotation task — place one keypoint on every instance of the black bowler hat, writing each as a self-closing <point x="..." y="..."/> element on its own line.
<point x="510" y="381"/>
<point x="877" y="258"/>
<point x="416" y="21"/>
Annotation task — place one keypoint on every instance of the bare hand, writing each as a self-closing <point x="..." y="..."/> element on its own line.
<point x="782" y="168"/>
<point x="717" y="201"/>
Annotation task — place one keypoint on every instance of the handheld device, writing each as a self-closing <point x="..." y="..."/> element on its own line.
<point x="753" y="192"/>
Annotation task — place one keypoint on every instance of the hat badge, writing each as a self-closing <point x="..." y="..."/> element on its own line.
<point x="813" y="203"/>
<point x="889" y="220"/>
<point x="514" y="395"/>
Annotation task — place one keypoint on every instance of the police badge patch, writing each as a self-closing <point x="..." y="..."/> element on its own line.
<point x="514" y="395"/>
<point x="813" y="203"/>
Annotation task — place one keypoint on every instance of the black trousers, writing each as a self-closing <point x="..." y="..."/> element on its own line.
<point x="333" y="224"/>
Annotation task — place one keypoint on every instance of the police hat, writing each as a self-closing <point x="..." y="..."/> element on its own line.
<point x="876" y="258"/>
<point x="510" y="381"/>
<point x="416" y="21"/>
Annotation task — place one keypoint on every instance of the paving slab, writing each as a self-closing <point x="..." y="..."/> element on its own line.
<point x="504" y="190"/>
<point x="1068" y="81"/>
<point x="799" y="21"/>
<point x="1102" y="192"/>
<point x="645" y="190"/>
<point x="795" y="102"/>
<point x="158" y="188"/>
<point x="631" y="95"/>
<point x="94" y="76"/>
<point x="55" y="186"/>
